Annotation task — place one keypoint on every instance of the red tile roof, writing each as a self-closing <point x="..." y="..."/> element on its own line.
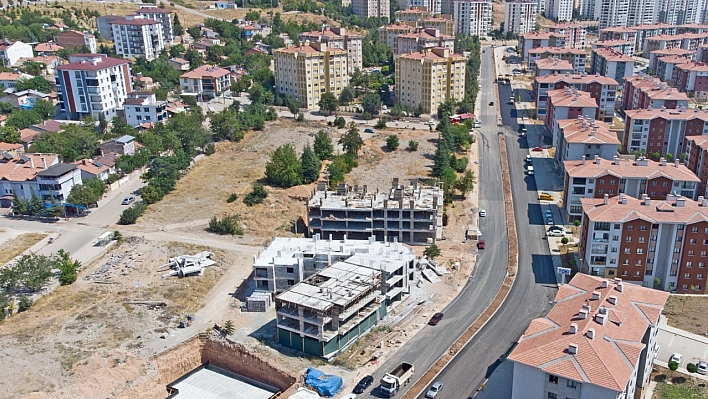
<point x="576" y="78"/>
<point x="85" y="65"/>
<point x="585" y="131"/>
<point x="571" y="98"/>
<point x="624" y="168"/>
<point x="206" y="71"/>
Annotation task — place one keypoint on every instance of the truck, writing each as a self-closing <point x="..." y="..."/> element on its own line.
<point x="393" y="381"/>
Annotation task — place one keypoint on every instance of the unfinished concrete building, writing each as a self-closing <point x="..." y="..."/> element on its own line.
<point x="411" y="214"/>
<point x="328" y="311"/>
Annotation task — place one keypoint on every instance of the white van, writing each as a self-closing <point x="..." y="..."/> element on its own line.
<point x="529" y="170"/>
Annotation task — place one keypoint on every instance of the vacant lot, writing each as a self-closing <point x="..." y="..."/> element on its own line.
<point x="688" y="313"/>
<point x="13" y="243"/>
<point x="673" y="385"/>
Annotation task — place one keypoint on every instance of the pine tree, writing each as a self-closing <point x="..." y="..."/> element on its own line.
<point x="442" y="158"/>
<point x="323" y="145"/>
<point x="310" y="165"/>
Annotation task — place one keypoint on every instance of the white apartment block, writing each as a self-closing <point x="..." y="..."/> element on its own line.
<point x="641" y="12"/>
<point x="613" y="13"/>
<point x="590" y="9"/>
<point x="472" y="17"/>
<point x="11" y="52"/>
<point x="433" y="6"/>
<point x="339" y="38"/>
<point x="142" y="107"/>
<point x="559" y="10"/>
<point x="372" y="8"/>
<point x="92" y="84"/>
<point x="207" y="81"/>
<point x="308" y="71"/>
<point x="520" y="16"/>
<point x="679" y="12"/>
<point x="164" y="17"/>
<point x="136" y="36"/>
<point x="429" y="78"/>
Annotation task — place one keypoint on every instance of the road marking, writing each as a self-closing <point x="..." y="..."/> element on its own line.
<point x="671" y="341"/>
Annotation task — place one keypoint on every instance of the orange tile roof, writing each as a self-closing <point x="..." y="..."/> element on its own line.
<point x="669" y="114"/>
<point x="557" y="50"/>
<point x="693" y="66"/>
<point x="619" y="29"/>
<point x="10" y="147"/>
<point x="579" y="131"/>
<point x="206" y="71"/>
<point x="673" y="51"/>
<point x="663" y="211"/>
<point x="609" y="43"/>
<point x="629" y="169"/>
<point x="47" y="47"/>
<point x="576" y="78"/>
<point x="89" y="166"/>
<point x="554" y="63"/>
<point x="674" y="59"/>
<point x="16" y="169"/>
<point x="611" y="55"/>
<point x="428" y="54"/>
<point x="610" y="358"/>
<point x="571" y="98"/>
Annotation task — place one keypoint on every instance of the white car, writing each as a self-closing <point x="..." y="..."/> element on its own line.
<point x="482" y="213"/>
<point x="556" y="233"/>
<point x="434" y="389"/>
<point x="430" y="122"/>
<point x="676" y="357"/>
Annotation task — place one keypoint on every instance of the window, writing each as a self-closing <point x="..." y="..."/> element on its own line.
<point x="697" y="287"/>
<point x="552" y="379"/>
<point x="685" y="286"/>
<point x="630" y="227"/>
<point x="290" y="270"/>
<point x="704" y="253"/>
<point x="693" y="240"/>
<point x="643" y="227"/>
<point x="699" y="276"/>
<point x="701" y="265"/>
<point x="624" y="273"/>
<point x="690" y="253"/>
<point x="615" y="238"/>
<point x="638" y="262"/>
<point x="641" y="239"/>
<point x="627" y="250"/>
<point x="572" y="384"/>
<point x="636" y="274"/>
<point x="687" y="275"/>
<point x="628" y="239"/>
<point x="552" y="395"/>
<point x="689" y="264"/>
<point x="640" y="250"/>
<point x="291" y="282"/>
<point x="695" y="229"/>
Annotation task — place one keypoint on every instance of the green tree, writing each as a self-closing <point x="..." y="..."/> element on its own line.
<point x="448" y="178"/>
<point x="73" y="142"/>
<point x="466" y="183"/>
<point x="392" y="142"/>
<point x="328" y="103"/>
<point x="4" y="305"/>
<point x="177" y="28"/>
<point x="351" y="141"/>
<point x="225" y="125"/>
<point x="673" y="366"/>
<point x="310" y="165"/>
<point x="228" y="328"/>
<point x="9" y="135"/>
<point x="67" y="266"/>
<point x="412" y="145"/>
<point x="432" y="252"/>
<point x="228" y="225"/>
<point x="23" y="119"/>
<point x="293" y="106"/>
<point x="346" y="96"/>
<point x="44" y="109"/>
<point x="442" y="158"/>
<point x="283" y="169"/>
<point x="37" y="83"/>
<point x="323" y="145"/>
<point x="131" y="215"/>
<point x="89" y="192"/>
<point x="371" y="103"/>
<point x="256" y="196"/>
<point x="253" y="16"/>
<point x="381" y="123"/>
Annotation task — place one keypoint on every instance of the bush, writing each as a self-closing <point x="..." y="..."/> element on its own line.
<point x="117" y="236"/>
<point x="228" y="225"/>
<point x="564" y="240"/>
<point x="381" y="123"/>
<point x="432" y="251"/>
<point x="209" y="149"/>
<point x="256" y="196"/>
<point x="131" y="215"/>
<point x="412" y="145"/>
<point x="232" y="197"/>
<point x="366" y="116"/>
<point x="392" y="142"/>
<point x="300" y="117"/>
<point x="692" y="367"/>
<point x="25" y="303"/>
<point x="673" y="366"/>
<point x="340" y="122"/>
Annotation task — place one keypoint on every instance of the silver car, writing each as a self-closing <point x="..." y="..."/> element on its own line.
<point x="702" y="367"/>
<point x="434" y="390"/>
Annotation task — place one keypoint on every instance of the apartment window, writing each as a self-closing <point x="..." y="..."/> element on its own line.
<point x="655" y="183"/>
<point x="704" y="253"/>
<point x="625" y="262"/>
<point x="641" y="239"/>
<point x="638" y="262"/>
<point x="552" y="395"/>
<point x="636" y="274"/>
<point x="615" y="238"/>
<point x="685" y="286"/>
<point x="690" y="253"/>
<point x="640" y="250"/>
<point x="699" y="276"/>
<point x="613" y="249"/>
<point x="627" y="250"/>
<point x="701" y="265"/>
<point x="705" y="242"/>
<point x="624" y="273"/>
<point x="628" y="239"/>
<point x="693" y="241"/>
<point x="617" y="226"/>
<point x="697" y="287"/>
<point x="687" y="275"/>
<point x="572" y="384"/>
<point x="643" y="228"/>
<point x="553" y="379"/>
<point x="291" y="282"/>
<point x="694" y="229"/>
<point x="290" y="270"/>
<point x="689" y="264"/>
<point x="630" y="228"/>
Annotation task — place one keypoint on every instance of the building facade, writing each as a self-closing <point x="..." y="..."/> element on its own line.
<point x="472" y="17"/>
<point x="609" y="63"/>
<point x="421" y="40"/>
<point x="75" y="40"/>
<point x="388" y="33"/>
<point x="11" y="52"/>
<point x="340" y="38"/>
<point x="574" y="34"/>
<point x="644" y="91"/>
<point x="662" y="131"/>
<point x="136" y="36"/>
<point x="559" y="10"/>
<point x="205" y="82"/>
<point x="568" y="103"/>
<point x="576" y="57"/>
<point x="602" y="89"/>
<point x="612" y="13"/>
<point x="372" y="8"/>
<point x="697" y="161"/>
<point x="583" y="137"/>
<point x="142" y="107"/>
<point x="162" y="16"/>
<point x="520" y="16"/>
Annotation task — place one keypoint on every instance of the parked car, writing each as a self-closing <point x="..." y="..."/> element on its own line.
<point x="491" y="103"/>
<point x="369" y="130"/>
<point x="434" y="389"/>
<point x="556" y="233"/>
<point x="430" y="122"/>
<point x="545" y="197"/>
<point x="557" y="228"/>
<point x="549" y="220"/>
<point x="436" y="319"/>
<point x="537" y="149"/>
<point x="549" y="213"/>
<point x="676" y="357"/>
<point x="480" y="244"/>
<point x="363" y="384"/>
<point x="482" y="213"/>
<point x="528" y="159"/>
<point x="702" y="367"/>
<point x="128" y="200"/>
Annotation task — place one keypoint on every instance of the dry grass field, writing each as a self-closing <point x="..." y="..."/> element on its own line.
<point x="11" y="248"/>
<point x="688" y="313"/>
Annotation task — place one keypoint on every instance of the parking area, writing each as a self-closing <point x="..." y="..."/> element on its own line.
<point x="692" y="347"/>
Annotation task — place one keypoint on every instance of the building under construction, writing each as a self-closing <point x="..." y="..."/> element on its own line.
<point x="326" y="312"/>
<point x="411" y="214"/>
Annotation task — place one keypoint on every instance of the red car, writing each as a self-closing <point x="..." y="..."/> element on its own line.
<point x="480" y="244"/>
<point x="537" y="149"/>
<point x="435" y="319"/>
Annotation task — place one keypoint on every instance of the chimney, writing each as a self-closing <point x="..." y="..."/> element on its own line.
<point x="597" y="159"/>
<point x="612" y="299"/>
<point x="620" y="287"/>
<point x="31" y="163"/>
<point x="663" y="161"/>
<point x="573" y="349"/>
<point x="582" y="160"/>
<point x="680" y="202"/>
<point x="573" y="328"/>
<point x="583" y="314"/>
<point x="618" y="280"/>
<point x="623" y="199"/>
<point x="606" y="198"/>
<point x="677" y="162"/>
<point x="601" y="318"/>
<point x="616" y="160"/>
<point x="595" y="295"/>
<point x="704" y="202"/>
<point x="603" y="284"/>
<point x="646" y="200"/>
<point x="591" y="333"/>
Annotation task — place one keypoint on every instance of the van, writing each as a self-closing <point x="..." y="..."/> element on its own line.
<point x="529" y="170"/>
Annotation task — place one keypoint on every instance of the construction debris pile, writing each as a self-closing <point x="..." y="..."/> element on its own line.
<point x="431" y="270"/>
<point x="188" y="265"/>
<point x="110" y="269"/>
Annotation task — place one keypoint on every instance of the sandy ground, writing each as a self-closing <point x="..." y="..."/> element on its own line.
<point x="13" y="242"/>
<point x="688" y="312"/>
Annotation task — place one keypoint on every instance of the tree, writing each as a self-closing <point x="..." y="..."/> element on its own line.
<point x="228" y="328"/>
<point x="67" y="266"/>
<point x="89" y="192"/>
<point x="45" y="109"/>
<point x="292" y="105"/>
<point x="323" y="145"/>
<point x="340" y="122"/>
<point x="37" y="83"/>
<point x="256" y="196"/>
<point x="691" y="367"/>
<point x="673" y="366"/>
<point x="371" y="103"/>
<point x="283" y="169"/>
<point x="351" y="141"/>
<point x="328" y="103"/>
<point x="9" y="135"/>
<point x="177" y="28"/>
<point x="225" y="125"/>
<point x="253" y="16"/>
<point x="255" y="94"/>
<point x="412" y="145"/>
<point x="564" y="240"/>
<point x="346" y="96"/>
<point x="466" y="183"/>
<point x="432" y="252"/>
<point x="392" y="142"/>
<point x="23" y="119"/>
<point x="228" y="225"/>
<point x="310" y="165"/>
<point x="381" y="123"/>
<point x="442" y="158"/>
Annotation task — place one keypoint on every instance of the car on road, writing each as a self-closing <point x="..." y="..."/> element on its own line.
<point x="363" y="384"/>
<point x="436" y="319"/>
<point x="369" y="130"/>
<point x="434" y="389"/>
<point x="430" y="122"/>
<point x="676" y="357"/>
<point x="491" y="103"/>
<point x="128" y="200"/>
<point x="537" y="149"/>
<point x="549" y="220"/>
<point x="480" y="244"/>
<point x="545" y="197"/>
<point x="482" y="213"/>
<point x="477" y="123"/>
<point x="528" y="159"/>
<point x="549" y="213"/>
<point x="702" y="367"/>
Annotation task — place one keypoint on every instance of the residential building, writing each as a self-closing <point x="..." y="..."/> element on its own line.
<point x="49" y="48"/>
<point x="413" y="15"/>
<point x="103" y="24"/>
<point x="444" y="23"/>
<point x="142" y="106"/>
<point x="647" y="242"/>
<point x="342" y="39"/>
<point x="559" y="10"/>
<point x="552" y="66"/>
<point x="388" y="33"/>
<point x="25" y="99"/>
<point x="618" y="33"/>
<point x="701" y="53"/>
<point x="602" y="89"/>
<point x="207" y="81"/>
<point x="583" y="137"/>
<point x="644" y="91"/>
<point x="590" y="9"/>
<point x="409" y="214"/>
<point x="91" y="84"/>
<point x="665" y="67"/>
<point x="75" y="40"/>
<point x="429" y="78"/>
<point x="179" y="64"/>
<point x="649" y="30"/>
<point x="607" y="62"/>
<point x="681" y="12"/>
<point x="472" y="17"/>
<point x="640" y="12"/>
<point x="325" y="313"/>
<point x="612" y="13"/>
<point x="136" y="36"/>
<point x="18" y="174"/>
<point x="520" y="16"/>
<point x="686" y="41"/>
<point x="697" y="161"/>
<point x="124" y="145"/>
<point x="692" y="78"/>
<point x="91" y="169"/>
<point x="568" y="103"/>
<point x="534" y="40"/>
<point x="301" y="72"/>
<point x="593" y="178"/>
<point x="9" y="79"/>
<point x="597" y="342"/>
<point x="421" y="40"/>
<point x="432" y="6"/>
<point x="679" y="52"/>
<point x="619" y="46"/>
<point x="576" y="57"/>
<point x="11" y="52"/>
<point x="574" y="33"/>
<point x="371" y="8"/>
<point x="691" y="28"/>
<point x="252" y="29"/>
<point x="662" y="131"/>
<point x="50" y="62"/>
<point x="164" y="17"/>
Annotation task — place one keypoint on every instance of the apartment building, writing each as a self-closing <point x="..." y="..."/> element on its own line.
<point x="444" y="23"/>
<point x="9" y="79"/>
<point x="342" y="39"/>
<point x="697" y="161"/>
<point x="11" y="52"/>
<point x="559" y="10"/>
<point x="568" y="103"/>
<point x="574" y="34"/>
<point x="22" y="173"/>
<point x="432" y="6"/>
<point x="701" y="53"/>
<point x="593" y="178"/>
<point x="552" y="66"/>
<point x="327" y="312"/>
<point x="372" y="8"/>
<point x="164" y="17"/>
<point x="520" y="16"/>
<point x="602" y="89"/>
<point x="665" y="67"/>
<point x="612" y="13"/>
<point x="644" y="91"/>
<point x="640" y="12"/>
<point x="583" y="137"/>
<point x="577" y="57"/>
<point x="533" y="40"/>
<point x="413" y="15"/>
<point x="388" y="33"/>
<point x="618" y="33"/>
<point x="409" y="214"/>
<point x="597" y="342"/>
<point x="691" y="28"/>
<point x="103" y="25"/>
<point x="143" y="107"/>
<point x="607" y="62"/>
<point x="692" y="78"/>
<point x="618" y="46"/>
<point x="207" y="81"/>
<point x="472" y="17"/>
<point x="681" y="12"/>
<point x="136" y="36"/>
<point x="686" y="41"/>
<point x="589" y="9"/>
<point x="75" y="40"/>
<point x="678" y="52"/>
<point x="662" y="131"/>
<point x="93" y="84"/>
<point x="429" y="78"/>
<point x="643" y="240"/>
<point x="422" y="39"/>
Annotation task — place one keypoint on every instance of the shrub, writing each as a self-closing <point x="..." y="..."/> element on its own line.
<point x="564" y="240"/>
<point x="673" y="366"/>
<point x="412" y="145"/>
<point x="300" y="117"/>
<point x="432" y="251"/>
<point x="392" y="142"/>
<point x="228" y="225"/>
<point x="209" y="149"/>
<point x="25" y="303"/>
<point x="366" y="116"/>
<point x="340" y="122"/>
<point x="381" y="123"/>
<point x="118" y="236"/>
<point x="691" y="367"/>
<point x="232" y="198"/>
<point x="131" y="215"/>
<point x="256" y="196"/>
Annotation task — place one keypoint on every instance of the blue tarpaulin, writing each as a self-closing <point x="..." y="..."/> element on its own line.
<point x="325" y="385"/>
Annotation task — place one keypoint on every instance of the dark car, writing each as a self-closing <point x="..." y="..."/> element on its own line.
<point x="363" y="384"/>
<point x="436" y="319"/>
<point x="491" y="103"/>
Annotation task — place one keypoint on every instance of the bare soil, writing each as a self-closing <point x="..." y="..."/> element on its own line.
<point x="688" y="312"/>
<point x="13" y="243"/>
